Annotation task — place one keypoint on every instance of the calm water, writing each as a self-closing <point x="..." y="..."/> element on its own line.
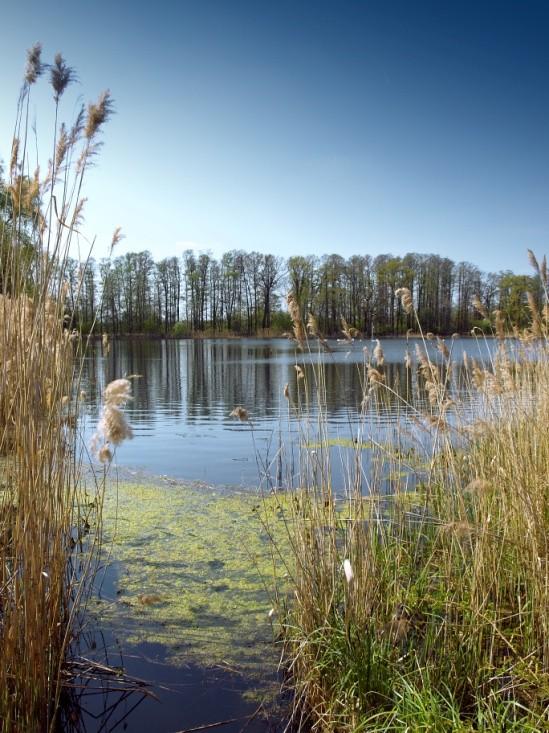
<point x="187" y="390"/>
<point x="179" y="541"/>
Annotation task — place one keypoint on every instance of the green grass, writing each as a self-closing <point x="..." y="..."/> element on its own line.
<point x="444" y="625"/>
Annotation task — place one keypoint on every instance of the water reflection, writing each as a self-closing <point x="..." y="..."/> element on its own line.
<point x="187" y="389"/>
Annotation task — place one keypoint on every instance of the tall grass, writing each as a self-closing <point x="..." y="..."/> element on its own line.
<point x="428" y="609"/>
<point x="41" y="503"/>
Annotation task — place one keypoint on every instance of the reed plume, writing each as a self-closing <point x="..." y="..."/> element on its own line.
<point x="61" y="75"/>
<point x="113" y="427"/>
<point x="241" y="413"/>
<point x="34" y="67"/>
<point x="477" y="304"/>
<point x="98" y="114"/>
<point x="294" y="310"/>
<point x="379" y="356"/>
<point x="406" y="299"/>
<point x="312" y="327"/>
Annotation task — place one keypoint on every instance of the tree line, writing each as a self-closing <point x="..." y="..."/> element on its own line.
<point x="244" y="293"/>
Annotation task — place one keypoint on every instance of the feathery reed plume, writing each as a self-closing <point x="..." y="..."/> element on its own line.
<point x="426" y="367"/>
<point x="62" y="146"/>
<point x="77" y="127"/>
<point x="14" y="159"/>
<point x="98" y="114"/>
<point x="532" y="259"/>
<point x="312" y="327"/>
<point x="375" y="377"/>
<point x="477" y="305"/>
<point x="543" y="271"/>
<point x="348" y="570"/>
<point x="536" y="316"/>
<point x="406" y="299"/>
<point x="34" y="67"/>
<point x="350" y="332"/>
<point x="78" y="215"/>
<point x="117" y="237"/>
<point x="345" y="329"/>
<point x="434" y="391"/>
<point x="478" y="375"/>
<point x="500" y="324"/>
<point x="241" y="413"/>
<point x="113" y="427"/>
<point x="61" y="75"/>
<point x="105" y="454"/>
<point x="441" y="346"/>
<point x="379" y="356"/>
<point x="295" y="314"/>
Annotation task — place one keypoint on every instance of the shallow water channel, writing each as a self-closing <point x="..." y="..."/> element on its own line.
<point x="183" y="595"/>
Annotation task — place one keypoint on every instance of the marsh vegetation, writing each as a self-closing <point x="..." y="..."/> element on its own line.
<point x="428" y="610"/>
<point x="45" y="553"/>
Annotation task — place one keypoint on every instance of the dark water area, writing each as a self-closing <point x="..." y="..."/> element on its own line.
<point x="181" y="410"/>
<point x="156" y="696"/>
<point x="181" y="522"/>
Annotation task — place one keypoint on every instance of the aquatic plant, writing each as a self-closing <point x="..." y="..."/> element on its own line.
<point x="113" y="426"/>
<point x="191" y="570"/>
<point x="427" y="610"/>
<point x="44" y="515"/>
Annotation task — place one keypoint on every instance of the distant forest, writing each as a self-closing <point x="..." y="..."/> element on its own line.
<point x="244" y="293"/>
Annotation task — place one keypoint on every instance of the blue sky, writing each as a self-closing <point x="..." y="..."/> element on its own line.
<point x="306" y="127"/>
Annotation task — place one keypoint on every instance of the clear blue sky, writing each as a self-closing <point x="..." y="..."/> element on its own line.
<point x="307" y="127"/>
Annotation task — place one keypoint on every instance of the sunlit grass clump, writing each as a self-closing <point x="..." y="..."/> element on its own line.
<point x="431" y="613"/>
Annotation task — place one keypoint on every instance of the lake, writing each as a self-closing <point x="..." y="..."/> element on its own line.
<point x="187" y="389"/>
<point x="183" y="600"/>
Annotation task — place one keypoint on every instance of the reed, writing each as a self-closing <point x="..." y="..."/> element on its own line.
<point x="44" y="513"/>
<point x="424" y="605"/>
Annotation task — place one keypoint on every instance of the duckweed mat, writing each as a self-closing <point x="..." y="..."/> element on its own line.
<point x="191" y="568"/>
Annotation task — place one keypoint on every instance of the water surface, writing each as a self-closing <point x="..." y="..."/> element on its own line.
<point x="187" y="390"/>
<point x="183" y="600"/>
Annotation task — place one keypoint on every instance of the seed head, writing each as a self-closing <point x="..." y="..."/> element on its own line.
<point x="378" y="354"/>
<point x="477" y="305"/>
<point x="34" y="67"/>
<point x="98" y="114"/>
<point x="532" y="259"/>
<point x="406" y="299"/>
<point x="241" y="413"/>
<point x="348" y="570"/>
<point x="61" y="75"/>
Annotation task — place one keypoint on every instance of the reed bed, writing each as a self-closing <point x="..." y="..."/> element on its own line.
<point x="423" y="604"/>
<point x="44" y="512"/>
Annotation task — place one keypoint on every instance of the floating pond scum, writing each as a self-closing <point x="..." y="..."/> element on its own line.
<point x="190" y="568"/>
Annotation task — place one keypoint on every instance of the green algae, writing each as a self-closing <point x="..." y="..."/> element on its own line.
<point x="341" y="442"/>
<point x="194" y="571"/>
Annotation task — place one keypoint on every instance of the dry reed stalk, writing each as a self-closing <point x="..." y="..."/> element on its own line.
<point x="444" y="593"/>
<point x="40" y="519"/>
